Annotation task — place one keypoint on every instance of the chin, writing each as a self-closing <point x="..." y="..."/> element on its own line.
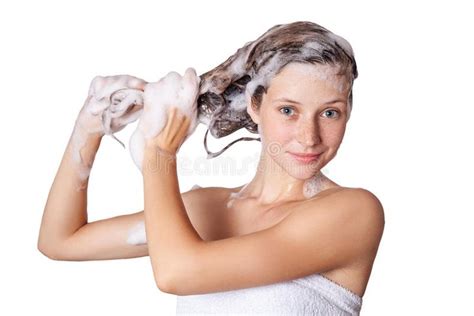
<point x="301" y="171"/>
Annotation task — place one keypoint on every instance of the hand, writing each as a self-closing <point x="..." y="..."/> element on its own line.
<point x="173" y="90"/>
<point x="173" y="134"/>
<point x="112" y="103"/>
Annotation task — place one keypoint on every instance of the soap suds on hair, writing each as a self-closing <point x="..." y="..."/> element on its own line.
<point x="227" y="90"/>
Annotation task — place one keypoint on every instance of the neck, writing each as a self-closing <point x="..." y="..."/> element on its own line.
<point x="272" y="184"/>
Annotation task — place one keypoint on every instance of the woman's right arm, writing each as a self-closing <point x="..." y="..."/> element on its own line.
<point x="65" y="233"/>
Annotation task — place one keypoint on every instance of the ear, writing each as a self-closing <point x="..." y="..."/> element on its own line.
<point x="253" y="112"/>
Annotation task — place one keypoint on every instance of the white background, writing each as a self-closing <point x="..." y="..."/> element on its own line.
<point x="408" y="141"/>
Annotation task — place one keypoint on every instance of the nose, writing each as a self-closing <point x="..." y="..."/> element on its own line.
<point x="308" y="133"/>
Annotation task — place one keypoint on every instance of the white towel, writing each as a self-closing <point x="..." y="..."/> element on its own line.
<point x="310" y="295"/>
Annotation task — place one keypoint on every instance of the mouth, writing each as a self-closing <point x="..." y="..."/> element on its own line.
<point x="305" y="158"/>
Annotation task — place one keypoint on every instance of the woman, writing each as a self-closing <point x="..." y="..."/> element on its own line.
<point x="291" y="240"/>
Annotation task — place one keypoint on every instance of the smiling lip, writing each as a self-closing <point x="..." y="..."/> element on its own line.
<point x="305" y="157"/>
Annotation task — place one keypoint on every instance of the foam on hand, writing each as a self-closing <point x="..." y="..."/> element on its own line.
<point x="113" y="102"/>
<point x="173" y="90"/>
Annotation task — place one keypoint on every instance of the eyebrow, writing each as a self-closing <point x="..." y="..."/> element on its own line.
<point x="291" y="101"/>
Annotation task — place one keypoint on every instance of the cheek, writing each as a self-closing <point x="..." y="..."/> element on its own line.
<point x="284" y="133"/>
<point x="332" y="135"/>
<point x="278" y="132"/>
<point x="274" y="129"/>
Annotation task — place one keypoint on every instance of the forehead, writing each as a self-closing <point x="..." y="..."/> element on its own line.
<point x="310" y="78"/>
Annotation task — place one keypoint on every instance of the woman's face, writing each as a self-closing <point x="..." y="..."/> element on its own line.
<point x="304" y="111"/>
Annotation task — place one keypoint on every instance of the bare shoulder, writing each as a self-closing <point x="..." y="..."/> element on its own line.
<point x="203" y="194"/>
<point x="365" y="203"/>
<point x="357" y="200"/>
<point x="200" y="204"/>
<point x="356" y="211"/>
<point x="335" y="233"/>
<point x="368" y="209"/>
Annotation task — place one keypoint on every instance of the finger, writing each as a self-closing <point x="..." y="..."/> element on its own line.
<point x="172" y="78"/>
<point x="126" y="98"/>
<point x="185" y="126"/>
<point x="129" y="117"/>
<point x="171" y="117"/>
<point x="179" y="113"/>
<point x="96" y="84"/>
<point x="95" y="107"/>
<point x="190" y="85"/>
<point x="176" y="126"/>
<point x="178" y="122"/>
<point x="190" y="77"/>
<point x="183" y="130"/>
<point x="136" y="83"/>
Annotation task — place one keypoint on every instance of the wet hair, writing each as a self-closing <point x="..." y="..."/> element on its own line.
<point x="244" y="77"/>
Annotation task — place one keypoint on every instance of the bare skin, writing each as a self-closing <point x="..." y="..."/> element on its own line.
<point x="239" y="220"/>
<point x="206" y="207"/>
<point x="266" y="201"/>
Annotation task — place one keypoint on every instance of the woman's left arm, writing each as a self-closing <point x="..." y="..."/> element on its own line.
<point x="171" y="237"/>
<point x="318" y="236"/>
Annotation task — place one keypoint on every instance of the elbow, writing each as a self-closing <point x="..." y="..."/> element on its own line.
<point x="173" y="278"/>
<point x="49" y="254"/>
<point x="49" y="251"/>
<point x="176" y="283"/>
<point x="170" y="280"/>
<point x="165" y="284"/>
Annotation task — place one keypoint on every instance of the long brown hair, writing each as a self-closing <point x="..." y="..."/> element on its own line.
<point x="226" y="90"/>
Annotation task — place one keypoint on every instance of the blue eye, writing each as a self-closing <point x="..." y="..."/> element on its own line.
<point x="286" y="108"/>
<point x="333" y="111"/>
